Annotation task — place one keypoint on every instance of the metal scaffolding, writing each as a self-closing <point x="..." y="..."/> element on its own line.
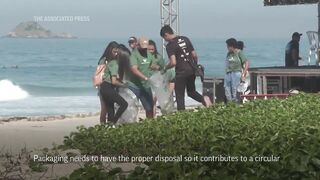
<point x="169" y="16"/>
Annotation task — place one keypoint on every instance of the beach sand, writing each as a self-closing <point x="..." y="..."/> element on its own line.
<point x="39" y="134"/>
<point x="36" y="135"/>
<point x="16" y="135"/>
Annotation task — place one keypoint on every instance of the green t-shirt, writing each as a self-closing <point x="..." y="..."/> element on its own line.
<point x="102" y="61"/>
<point x="171" y="74"/>
<point x="235" y="61"/>
<point x="111" y="70"/>
<point x="143" y="66"/>
<point x="159" y="61"/>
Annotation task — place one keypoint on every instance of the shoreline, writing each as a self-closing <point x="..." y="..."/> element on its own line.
<point x="35" y="135"/>
<point x="38" y="132"/>
<point x="48" y="117"/>
<point x="40" y="118"/>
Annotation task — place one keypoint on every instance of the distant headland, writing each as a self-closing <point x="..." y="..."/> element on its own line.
<point x="34" y="30"/>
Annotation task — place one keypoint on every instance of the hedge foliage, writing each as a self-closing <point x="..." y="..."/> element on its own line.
<point x="289" y="129"/>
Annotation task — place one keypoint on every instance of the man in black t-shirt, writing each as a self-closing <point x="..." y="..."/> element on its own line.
<point x="181" y="54"/>
<point x="292" y="51"/>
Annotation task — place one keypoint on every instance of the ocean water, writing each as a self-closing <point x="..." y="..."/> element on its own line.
<point x="53" y="76"/>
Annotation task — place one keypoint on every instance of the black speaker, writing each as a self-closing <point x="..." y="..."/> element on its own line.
<point x="214" y="89"/>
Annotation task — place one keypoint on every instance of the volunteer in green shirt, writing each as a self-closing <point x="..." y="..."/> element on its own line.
<point x="158" y="62"/>
<point x="158" y="65"/>
<point x="138" y="78"/>
<point x="110" y="82"/>
<point x="103" y="60"/>
<point x="236" y="70"/>
<point x="103" y="108"/>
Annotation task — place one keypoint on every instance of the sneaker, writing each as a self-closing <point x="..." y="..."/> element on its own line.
<point x="293" y="91"/>
<point x="109" y="124"/>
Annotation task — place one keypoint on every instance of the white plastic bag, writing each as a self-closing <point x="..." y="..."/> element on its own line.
<point x="160" y="86"/>
<point x="243" y="86"/>
<point x="131" y="113"/>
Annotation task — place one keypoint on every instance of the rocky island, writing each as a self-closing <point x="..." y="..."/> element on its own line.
<point x="34" y="30"/>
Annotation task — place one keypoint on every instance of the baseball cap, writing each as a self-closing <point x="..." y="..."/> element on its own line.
<point x="132" y="39"/>
<point x="296" y="34"/>
<point x="144" y="42"/>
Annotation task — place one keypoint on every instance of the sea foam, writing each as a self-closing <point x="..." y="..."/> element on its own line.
<point x="11" y="92"/>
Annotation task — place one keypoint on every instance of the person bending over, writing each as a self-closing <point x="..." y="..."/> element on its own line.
<point x="102" y="60"/>
<point x="138" y="77"/>
<point x="111" y="82"/>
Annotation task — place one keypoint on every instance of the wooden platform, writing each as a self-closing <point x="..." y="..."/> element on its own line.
<point x="273" y="80"/>
<point x="303" y="71"/>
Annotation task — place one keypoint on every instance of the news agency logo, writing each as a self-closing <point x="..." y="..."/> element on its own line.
<point x="61" y="18"/>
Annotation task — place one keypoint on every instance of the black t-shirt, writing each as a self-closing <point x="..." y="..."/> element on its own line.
<point x="182" y="48"/>
<point x="291" y="46"/>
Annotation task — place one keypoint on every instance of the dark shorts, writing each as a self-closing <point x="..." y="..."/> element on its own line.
<point x="145" y="96"/>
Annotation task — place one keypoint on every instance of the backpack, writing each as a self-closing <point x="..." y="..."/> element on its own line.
<point x="97" y="78"/>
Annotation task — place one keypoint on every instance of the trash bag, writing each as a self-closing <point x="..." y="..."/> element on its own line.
<point x="243" y="86"/>
<point x="130" y="115"/>
<point x="160" y="87"/>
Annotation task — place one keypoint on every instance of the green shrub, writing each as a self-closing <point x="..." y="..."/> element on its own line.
<point x="289" y="129"/>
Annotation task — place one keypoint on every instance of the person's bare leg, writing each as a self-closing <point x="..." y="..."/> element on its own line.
<point x="207" y="101"/>
<point x="103" y="111"/>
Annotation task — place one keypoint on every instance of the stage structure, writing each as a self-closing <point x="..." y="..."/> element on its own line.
<point x="295" y="2"/>
<point x="170" y="16"/>
<point x="280" y="80"/>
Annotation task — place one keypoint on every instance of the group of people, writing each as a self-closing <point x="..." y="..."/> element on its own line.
<point x="237" y="64"/>
<point x="133" y="68"/>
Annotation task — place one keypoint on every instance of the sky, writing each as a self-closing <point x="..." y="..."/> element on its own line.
<point x="199" y="18"/>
